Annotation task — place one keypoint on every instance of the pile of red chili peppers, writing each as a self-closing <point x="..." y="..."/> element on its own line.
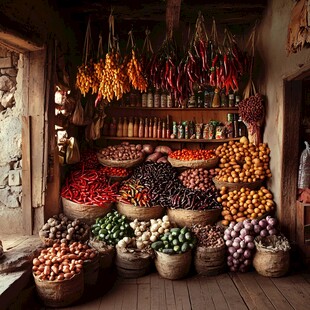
<point x="89" y="187"/>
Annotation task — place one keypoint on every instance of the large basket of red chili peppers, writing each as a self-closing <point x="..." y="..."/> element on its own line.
<point x="87" y="195"/>
<point x="193" y="159"/>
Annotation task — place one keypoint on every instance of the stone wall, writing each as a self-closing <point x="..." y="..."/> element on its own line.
<point x="10" y="143"/>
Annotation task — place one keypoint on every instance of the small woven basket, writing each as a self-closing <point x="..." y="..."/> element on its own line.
<point x="209" y="163"/>
<point x="119" y="163"/>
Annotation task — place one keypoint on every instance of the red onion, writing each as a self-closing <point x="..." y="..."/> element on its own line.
<point x="232" y="250"/>
<point x="248" y="238"/>
<point x="257" y="229"/>
<point x="247" y="262"/>
<point x="236" y="245"/>
<point x="247" y="253"/>
<point x="263" y="223"/>
<point x="228" y="243"/>
<point x="272" y="232"/>
<point x="254" y="222"/>
<point x="264" y="233"/>
<point x="242" y="244"/>
<point x="272" y="221"/>
<point x="236" y="255"/>
<point x="240" y="251"/>
<point x="251" y="245"/>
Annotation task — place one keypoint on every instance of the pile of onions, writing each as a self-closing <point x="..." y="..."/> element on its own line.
<point x="239" y="239"/>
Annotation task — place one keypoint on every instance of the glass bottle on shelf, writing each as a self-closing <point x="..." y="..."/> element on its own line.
<point x="136" y="127"/>
<point x="155" y="127"/>
<point x="163" y="100"/>
<point x="163" y="130"/>
<point x="200" y="98"/>
<point x="125" y="127"/>
<point x="113" y="127"/>
<point x="157" y="99"/>
<point x="242" y="129"/>
<point x="150" y="128"/>
<point x="150" y="99"/>
<point x="224" y="99"/>
<point x="216" y="102"/>
<point x="119" y="132"/>
<point x="236" y="133"/>
<point x="207" y="99"/>
<point x="231" y="100"/>
<point x="169" y="101"/>
<point x="130" y="128"/>
<point x="174" y="129"/>
<point x="159" y="128"/>
<point x="141" y="128"/>
<point x="146" y="128"/>
<point x="168" y="131"/>
<point x="144" y="100"/>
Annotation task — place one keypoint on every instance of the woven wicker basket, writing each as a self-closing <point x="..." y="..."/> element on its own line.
<point x="50" y="242"/>
<point x="210" y="163"/>
<point x="188" y="218"/>
<point x="140" y="213"/>
<point x="86" y="213"/>
<point x="119" y="163"/>
<point x="60" y="293"/>
<point x="237" y="186"/>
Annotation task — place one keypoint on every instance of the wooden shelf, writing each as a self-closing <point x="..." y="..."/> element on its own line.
<point x="173" y="140"/>
<point x="234" y="109"/>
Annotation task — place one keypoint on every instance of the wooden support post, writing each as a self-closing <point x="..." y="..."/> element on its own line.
<point x="172" y="16"/>
<point x="26" y="175"/>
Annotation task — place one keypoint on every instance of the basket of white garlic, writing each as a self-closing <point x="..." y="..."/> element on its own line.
<point x="134" y="256"/>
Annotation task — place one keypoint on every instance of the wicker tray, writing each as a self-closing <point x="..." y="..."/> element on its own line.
<point x="119" y="163"/>
<point x="237" y="186"/>
<point x="210" y="163"/>
<point x="86" y="213"/>
<point x="140" y="213"/>
<point x="182" y="217"/>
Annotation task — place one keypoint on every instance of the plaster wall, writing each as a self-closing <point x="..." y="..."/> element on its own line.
<point x="275" y="67"/>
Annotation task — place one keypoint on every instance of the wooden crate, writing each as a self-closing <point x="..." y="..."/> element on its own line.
<point x="303" y="229"/>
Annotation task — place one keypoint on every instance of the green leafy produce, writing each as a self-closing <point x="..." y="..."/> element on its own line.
<point x="111" y="228"/>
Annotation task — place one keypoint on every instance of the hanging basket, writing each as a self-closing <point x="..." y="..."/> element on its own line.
<point x="140" y="213"/>
<point x="86" y="213"/>
<point x="188" y="218"/>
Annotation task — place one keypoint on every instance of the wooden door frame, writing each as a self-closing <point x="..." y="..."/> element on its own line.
<point x="35" y="102"/>
<point x="290" y="150"/>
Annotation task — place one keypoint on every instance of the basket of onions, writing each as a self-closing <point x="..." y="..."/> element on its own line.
<point x="134" y="255"/>
<point x="239" y="239"/>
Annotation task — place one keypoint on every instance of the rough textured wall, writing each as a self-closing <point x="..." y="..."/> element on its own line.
<point x="11" y="143"/>
<point x="275" y="67"/>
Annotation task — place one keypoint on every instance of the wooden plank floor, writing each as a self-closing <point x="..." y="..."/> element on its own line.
<point x="233" y="291"/>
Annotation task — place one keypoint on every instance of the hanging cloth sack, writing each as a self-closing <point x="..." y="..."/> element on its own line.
<point x="304" y="168"/>
<point x="72" y="152"/>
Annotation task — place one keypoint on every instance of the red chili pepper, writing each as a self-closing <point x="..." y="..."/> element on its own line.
<point x="214" y="61"/>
